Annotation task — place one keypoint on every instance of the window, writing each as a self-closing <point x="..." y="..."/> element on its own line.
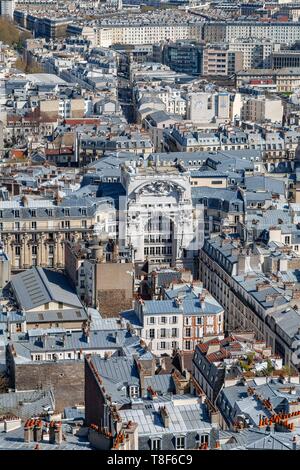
<point x="46" y="306"/>
<point x="60" y="305"/>
<point x="152" y="333"/>
<point x="155" y="444"/>
<point x="51" y="249"/>
<point x="179" y="442"/>
<point x="174" y="332"/>
<point x="151" y="320"/>
<point x="163" y="333"/>
<point x="38" y="357"/>
<point x="17" y="225"/>
<point x="204" y="439"/>
<point x="17" y="250"/>
<point x="188" y="332"/>
<point x="84" y="223"/>
<point x="34" y="249"/>
<point x="188" y="345"/>
<point x="174" y="319"/>
<point x="163" y="345"/>
<point x="17" y="213"/>
<point x="134" y="391"/>
<point x="199" y="320"/>
<point x="33" y="225"/>
<point x="163" y="319"/>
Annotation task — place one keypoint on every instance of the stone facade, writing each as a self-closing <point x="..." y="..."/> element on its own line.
<point x="160" y="222"/>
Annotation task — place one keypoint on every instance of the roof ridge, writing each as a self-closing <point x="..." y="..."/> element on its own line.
<point x="44" y="281"/>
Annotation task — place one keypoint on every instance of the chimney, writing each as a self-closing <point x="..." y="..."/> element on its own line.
<point x="261" y="285"/>
<point x="55" y="436"/>
<point x="294" y="443"/>
<point x="202" y="297"/>
<point x="28" y="430"/>
<point x="165" y="416"/>
<point x="115" y="253"/>
<point x="24" y="201"/>
<point x="44" y="340"/>
<point x="296" y="294"/>
<point x="178" y="302"/>
<point x="213" y="347"/>
<point x="37" y="431"/>
<point x="218" y="445"/>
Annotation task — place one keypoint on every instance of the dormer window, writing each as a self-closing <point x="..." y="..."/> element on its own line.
<point x="134" y="391"/>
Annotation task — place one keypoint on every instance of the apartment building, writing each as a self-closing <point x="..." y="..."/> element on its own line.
<point x="218" y="61"/>
<point x="7" y="8"/>
<point x="145" y="34"/>
<point x="206" y="107"/>
<point x="284" y="33"/>
<point x="63" y="108"/>
<point x="251" y="300"/>
<point x="183" y="57"/>
<point x="256" y="52"/>
<point x="34" y="231"/>
<point x="262" y="109"/>
<point x="103" y="276"/>
<point x="43" y="26"/>
<point x="285" y="80"/>
<point x="185" y="317"/>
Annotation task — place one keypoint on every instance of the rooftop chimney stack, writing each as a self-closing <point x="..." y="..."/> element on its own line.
<point x="165" y="416"/>
<point x="37" y="431"/>
<point x="294" y="443"/>
<point x="28" y="430"/>
<point x="55" y="435"/>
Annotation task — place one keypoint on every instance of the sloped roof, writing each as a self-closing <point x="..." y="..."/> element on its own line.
<point x="38" y="286"/>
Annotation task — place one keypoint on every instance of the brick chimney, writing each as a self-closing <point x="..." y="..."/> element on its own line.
<point x="55" y="432"/>
<point x="28" y="430"/>
<point x="37" y="431"/>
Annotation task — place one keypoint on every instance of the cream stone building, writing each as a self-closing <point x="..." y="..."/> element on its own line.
<point x="34" y="231"/>
<point x="105" y="36"/>
<point x="160" y="222"/>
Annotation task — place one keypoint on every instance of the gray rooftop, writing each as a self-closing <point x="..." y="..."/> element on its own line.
<point x="38" y="286"/>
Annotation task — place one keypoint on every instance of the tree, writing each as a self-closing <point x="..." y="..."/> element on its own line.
<point x="9" y="34"/>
